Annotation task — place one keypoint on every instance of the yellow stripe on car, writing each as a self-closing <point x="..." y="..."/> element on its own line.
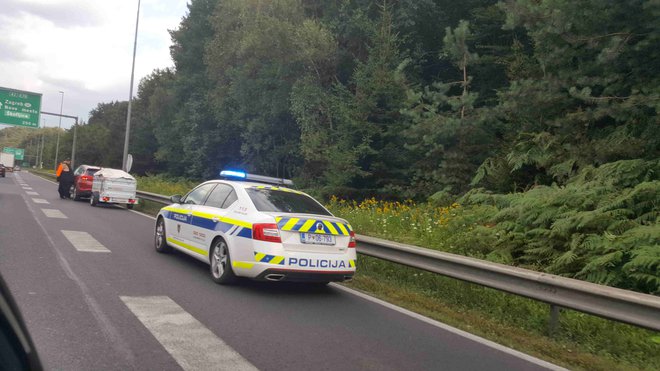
<point x="331" y="228"/>
<point x="308" y="224"/>
<point x="244" y="265"/>
<point x="186" y="246"/>
<point x="292" y="222"/>
<point x="343" y="229"/>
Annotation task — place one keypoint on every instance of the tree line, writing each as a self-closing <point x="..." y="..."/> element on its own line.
<point x="405" y="99"/>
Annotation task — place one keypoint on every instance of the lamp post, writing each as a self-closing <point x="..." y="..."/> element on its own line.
<point x="59" y="126"/>
<point x="130" y="94"/>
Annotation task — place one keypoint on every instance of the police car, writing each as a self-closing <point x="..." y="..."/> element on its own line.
<point x="247" y="225"/>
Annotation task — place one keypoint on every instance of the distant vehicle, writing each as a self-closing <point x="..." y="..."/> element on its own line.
<point x="2" y="170"/>
<point x="17" y="168"/>
<point x="7" y="159"/>
<point x="83" y="178"/>
<point x="252" y="226"/>
<point x="113" y="186"/>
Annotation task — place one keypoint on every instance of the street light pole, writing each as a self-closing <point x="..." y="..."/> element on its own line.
<point x="130" y="94"/>
<point x="59" y="126"/>
<point x="73" y="146"/>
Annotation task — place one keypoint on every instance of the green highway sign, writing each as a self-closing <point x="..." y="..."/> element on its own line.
<point x="19" y="153"/>
<point x="19" y="108"/>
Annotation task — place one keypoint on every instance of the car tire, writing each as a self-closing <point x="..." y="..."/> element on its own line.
<point x="220" y="263"/>
<point x="74" y="193"/>
<point x="94" y="200"/>
<point x="160" y="237"/>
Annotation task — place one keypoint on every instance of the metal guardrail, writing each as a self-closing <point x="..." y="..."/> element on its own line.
<point x="608" y="302"/>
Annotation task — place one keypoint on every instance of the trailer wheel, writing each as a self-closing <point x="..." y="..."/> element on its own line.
<point x="94" y="200"/>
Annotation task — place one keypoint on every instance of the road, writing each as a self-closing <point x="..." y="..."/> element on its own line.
<point x="96" y="296"/>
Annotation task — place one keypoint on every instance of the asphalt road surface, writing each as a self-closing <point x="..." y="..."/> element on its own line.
<point x="96" y="296"/>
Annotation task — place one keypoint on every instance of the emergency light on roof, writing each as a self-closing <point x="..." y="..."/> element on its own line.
<point x="233" y="174"/>
<point x="241" y="175"/>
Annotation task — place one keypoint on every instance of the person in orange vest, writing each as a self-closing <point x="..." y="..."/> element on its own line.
<point x="65" y="177"/>
<point x="59" y="170"/>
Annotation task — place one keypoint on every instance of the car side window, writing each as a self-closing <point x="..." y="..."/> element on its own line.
<point x="230" y="199"/>
<point x="78" y="171"/>
<point x="219" y="195"/>
<point x="197" y="195"/>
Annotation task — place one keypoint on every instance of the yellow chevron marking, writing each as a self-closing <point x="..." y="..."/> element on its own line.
<point x="308" y="224"/>
<point x="343" y="229"/>
<point x="292" y="222"/>
<point x="277" y="220"/>
<point x="331" y="228"/>
<point x="186" y="246"/>
<point x="276" y="260"/>
<point x="351" y="263"/>
<point x="244" y="265"/>
<point x="349" y="227"/>
<point x="259" y="256"/>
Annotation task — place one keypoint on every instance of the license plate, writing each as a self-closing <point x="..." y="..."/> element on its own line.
<point x="317" y="239"/>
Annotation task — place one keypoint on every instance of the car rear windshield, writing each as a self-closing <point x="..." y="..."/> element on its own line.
<point x="287" y="202"/>
<point x="91" y="171"/>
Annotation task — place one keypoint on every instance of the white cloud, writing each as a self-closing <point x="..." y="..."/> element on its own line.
<point x="82" y="47"/>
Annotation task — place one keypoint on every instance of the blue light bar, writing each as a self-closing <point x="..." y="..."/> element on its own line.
<point x="233" y="174"/>
<point x="255" y="178"/>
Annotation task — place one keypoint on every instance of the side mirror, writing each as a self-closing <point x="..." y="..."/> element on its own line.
<point x="176" y="199"/>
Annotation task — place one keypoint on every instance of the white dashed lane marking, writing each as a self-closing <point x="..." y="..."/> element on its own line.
<point x="31" y="193"/>
<point x="190" y="343"/>
<point x="54" y="213"/>
<point x="84" y="241"/>
<point x="40" y="201"/>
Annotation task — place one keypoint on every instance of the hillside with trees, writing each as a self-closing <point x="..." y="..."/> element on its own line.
<point x="546" y="111"/>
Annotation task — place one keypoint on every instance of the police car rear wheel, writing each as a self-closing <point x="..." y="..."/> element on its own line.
<point x="160" y="238"/>
<point x="221" y="271"/>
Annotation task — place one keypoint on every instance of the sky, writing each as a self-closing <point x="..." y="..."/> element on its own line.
<point x="83" y="48"/>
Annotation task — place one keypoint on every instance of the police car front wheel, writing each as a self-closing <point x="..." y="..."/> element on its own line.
<point x="221" y="271"/>
<point x="160" y="238"/>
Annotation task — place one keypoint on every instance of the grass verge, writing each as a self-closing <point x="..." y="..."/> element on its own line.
<point x="583" y="342"/>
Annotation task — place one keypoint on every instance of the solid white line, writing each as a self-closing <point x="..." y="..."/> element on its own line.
<point x="54" y="213"/>
<point x="143" y="214"/>
<point x="30" y="193"/>
<point x="193" y="346"/>
<point x="84" y="241"/>
<point x="454" y="330"/>
<point x="40" y="201"/>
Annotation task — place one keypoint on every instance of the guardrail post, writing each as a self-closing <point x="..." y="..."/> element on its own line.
<point x="553" y="323"/>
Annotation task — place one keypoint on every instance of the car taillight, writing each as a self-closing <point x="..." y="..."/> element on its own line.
<point x="131" y="201"/>
<point x="351" y="242"/>
<point x="266" y="232"/>
<point x="86" y="178"/>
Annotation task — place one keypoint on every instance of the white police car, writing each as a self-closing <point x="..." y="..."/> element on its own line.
<point x="252" y="226"/>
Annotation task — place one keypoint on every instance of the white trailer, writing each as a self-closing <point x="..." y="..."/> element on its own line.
<point x="113" y="186"/>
